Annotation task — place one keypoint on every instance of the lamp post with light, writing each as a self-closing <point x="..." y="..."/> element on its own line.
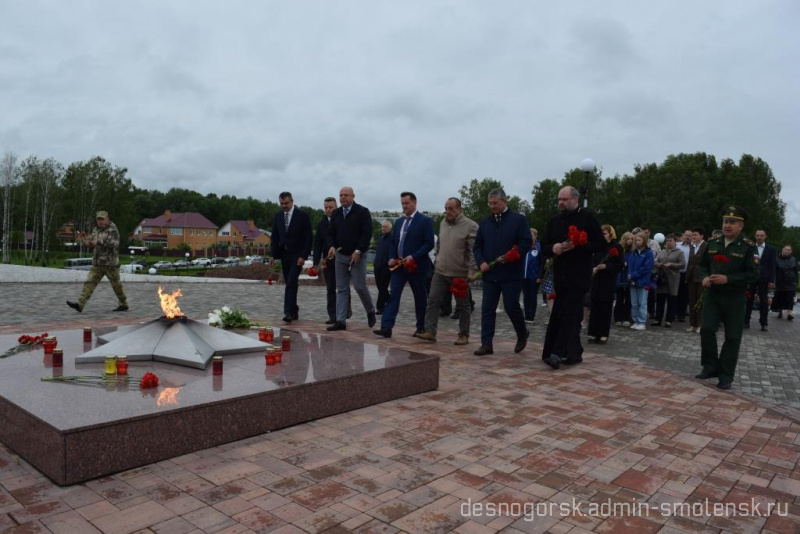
<point x="588" y="167"/>
<point x="187" y="263"/>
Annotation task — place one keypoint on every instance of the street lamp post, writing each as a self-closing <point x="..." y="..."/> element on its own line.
<point x="187" y="264"/>
<point x="132" y="253"/>
<point x="588" y="167"/>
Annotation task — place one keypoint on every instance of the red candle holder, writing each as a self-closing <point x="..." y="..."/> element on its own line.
<point x="87" y="334"/>
<point x="270" y="359"/>
<point x="262" y="335"/>
<point x="278" y="356"/>
<point x="286" y="344"/>
<point x="122" y="365"/>
<point x="217" y="365"/>
<point x="58" y="358"/>
<point x="49" y="343"/>
<point x="269" y="335"/>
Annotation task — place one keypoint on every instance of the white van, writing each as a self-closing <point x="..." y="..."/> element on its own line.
<point x="131" y="268"/>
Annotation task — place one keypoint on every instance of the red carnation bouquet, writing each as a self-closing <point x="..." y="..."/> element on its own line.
<point x="410" y="265"/>
<point x="313" y="272"/>
<point x="149" y="380"/>
<point x="551" y="296"/>
<point x="509" y="257"/>
<point x="25" y="342"/>
<point x="577" y="237"/>
<point x="459" y="288"/>
<point x="717" y="259"/>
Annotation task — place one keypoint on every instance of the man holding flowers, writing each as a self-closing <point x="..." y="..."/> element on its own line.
<point x="571" y="237"/>
<point x="727" y="267"/>
<point x="502" y="240"/>
<point x="455" y="263"/>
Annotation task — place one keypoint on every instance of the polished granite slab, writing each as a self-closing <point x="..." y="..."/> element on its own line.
<point x="75" y="432"/>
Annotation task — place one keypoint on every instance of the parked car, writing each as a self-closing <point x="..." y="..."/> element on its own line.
<point x="217" y="261"/>
<point x="181" y="263"/>
<point x="162" y="265"/>
<point x="131" y="268"/>
<point x="255" y="259"/>
<point x="232" y="260"/>
<point x="204" y="262"/>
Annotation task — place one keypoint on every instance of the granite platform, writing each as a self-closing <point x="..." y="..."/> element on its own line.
<point x="76" y="432"/>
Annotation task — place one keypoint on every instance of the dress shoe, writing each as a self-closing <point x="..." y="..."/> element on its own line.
<point x="75" y="306"/>
<point x="427" y="336"/>
<point x="337" y="326"/>
<point x="572" y="361"/>
<point x="330" y="321"/>
<point x="602" y="341"/>
<point x="383" y="332"/>
<point x="763" y="328"/>
<point x="454" y="316"/>
<point x="690" y="329"/>
<point x="790" y="317"/>
<point x="724" y="385"/>
<point x="592" y="340"/>
<point x="522" y="342"/>
<point x="417" y="333"/>
<point x="287" y="318"/>
<point x="462" y="340"/>
<point x="780" y="315"/>
<point x="655" y="323"/>
<point x="667" y="325"/>
<point x="483" y="351"/>
<point x="378" y="312"/>
<point x="444" y="313"/>
<point x="371" y="319"/>
<point x="120" y="308"/>
<point x="553" y="361"/>
<point x="705" y="374"/>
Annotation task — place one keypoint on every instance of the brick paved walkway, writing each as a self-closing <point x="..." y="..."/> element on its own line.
<point x="499" y="431"/>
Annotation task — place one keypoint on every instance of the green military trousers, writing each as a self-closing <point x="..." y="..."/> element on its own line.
<point x="728" y="309"/>
<point x="96" y="274"/>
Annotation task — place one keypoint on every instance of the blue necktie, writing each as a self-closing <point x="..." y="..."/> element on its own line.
<point x="286" y="220"/>
<point x="345" y="212"/>
<point x="403" y="232"/>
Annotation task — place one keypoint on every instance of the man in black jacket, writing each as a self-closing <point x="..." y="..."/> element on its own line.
<point x="572" y="276"/>
<point x="291" y="243"/>
<point x="327" y="267"/>
<point x="767" y="258"/>
<point x="349" y="236"/>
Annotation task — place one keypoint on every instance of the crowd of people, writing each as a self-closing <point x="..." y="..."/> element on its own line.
<point x="587" y="277"/>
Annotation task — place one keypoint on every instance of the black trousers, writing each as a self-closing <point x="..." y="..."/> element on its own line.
<point x="600" y="318"/>
<point x="669" y="300"/>
<point x="382" y="278"/>
<point x="529" y="291"/>
<point x="682" y="304"/>
<point x="622" y="308"/>
<point x="761" y="289"/>
<point x="563" y="337"/>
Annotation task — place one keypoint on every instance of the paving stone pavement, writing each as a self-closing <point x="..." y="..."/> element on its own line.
<point x="631" y="430"/>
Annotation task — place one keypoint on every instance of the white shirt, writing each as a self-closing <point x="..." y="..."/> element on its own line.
<point x="685" y="249"/>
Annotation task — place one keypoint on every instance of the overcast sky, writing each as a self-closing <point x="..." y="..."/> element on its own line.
<point x="252" y="98"/>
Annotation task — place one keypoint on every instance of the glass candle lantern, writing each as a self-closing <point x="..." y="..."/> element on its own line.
<point x="122" y="365"/>
<point x="217" y="365"/>
<point x="286" y="345"/>
<point x="58" y="358"/>
<point x="262" y="334"/>
<point x="49" y="343"/>
<point x="269" y="335"/>
<point x="278" y="355"/>
<point x="87" y="334"/>
<point x="111" y="365"/>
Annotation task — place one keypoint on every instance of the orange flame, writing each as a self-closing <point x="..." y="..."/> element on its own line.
<point x="168" y="397"/>
<point x="169" y="303"/>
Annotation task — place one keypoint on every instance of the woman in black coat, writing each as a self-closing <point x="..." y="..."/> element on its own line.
<point x="608" y="263"/>
<point x="785" y="283"/>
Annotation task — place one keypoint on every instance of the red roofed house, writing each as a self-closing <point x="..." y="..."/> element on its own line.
<point x="171" y="229"/>
<point x="243" y="233"/>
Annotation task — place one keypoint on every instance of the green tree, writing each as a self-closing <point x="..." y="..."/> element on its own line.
<point x="475" y="195"/>
<point x="545" y="202"/>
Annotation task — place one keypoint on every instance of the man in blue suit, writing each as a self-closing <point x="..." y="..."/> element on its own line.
<point x="413" y="239"/>
<point x="291" y="243"/>
<point x="497" y="234"/>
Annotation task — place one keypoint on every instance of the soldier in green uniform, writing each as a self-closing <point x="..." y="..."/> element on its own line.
<point x="105" y="262"/>
<point x="728" y="266"/>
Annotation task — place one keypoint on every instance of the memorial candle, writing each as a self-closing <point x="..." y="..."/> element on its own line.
<point x="287" y="344"/>
<point x="122" y="365"/>
<point x="217" y="365"/>
<point x="58" y="358"/>
<point x="87" y="334"/>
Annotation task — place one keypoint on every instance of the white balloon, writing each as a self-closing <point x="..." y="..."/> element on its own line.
<point x="152" y="271"/>
<point x="659" y="237"/>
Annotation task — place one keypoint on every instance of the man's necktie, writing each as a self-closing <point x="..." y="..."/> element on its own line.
<point x="286" y="220"/>
<point x="345" y="212"/>
<point x="403" y="232"/>
<point x="497" y="218"/>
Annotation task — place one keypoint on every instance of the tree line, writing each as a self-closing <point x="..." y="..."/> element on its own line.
<point x="686" y="190"/>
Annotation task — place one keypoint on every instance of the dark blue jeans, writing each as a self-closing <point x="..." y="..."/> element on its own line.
<point x="491" y="297"/>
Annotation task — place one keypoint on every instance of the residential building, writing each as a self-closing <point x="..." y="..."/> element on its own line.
<point x="171" y="229"/>
<point x="243" y="234"/>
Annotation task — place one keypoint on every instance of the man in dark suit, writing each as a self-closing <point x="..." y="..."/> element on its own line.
<point x="349" y="236"/>
<point x="413" y="239"/>
<point x="327" y="267"/>
<point x="291" y="243"/>
<point x="694" y="282"/>
<point x="380" y="265"/>
<point x="497" y="234"/>
<point x="572" y="276"/>
<point x="767" y="259"/>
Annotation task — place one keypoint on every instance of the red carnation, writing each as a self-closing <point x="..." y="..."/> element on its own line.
<point x="313" y="272"/>
<point x="410" y="265"/>
<point x="459" y="288"/>
<point x="513" y="254"/>
<point x="613" y="253"/>
<point x="21" y="339"/>
<point x="720" y="258"/>
<point x="577" y="237"/>
<point x="747" y="295"/>
<point x="149" y="380"/>
<point x="551" y="296"/>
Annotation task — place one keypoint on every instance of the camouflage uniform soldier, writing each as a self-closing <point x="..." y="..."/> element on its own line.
<point x="105" y="262"/>
<point x="728" y="266"/>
